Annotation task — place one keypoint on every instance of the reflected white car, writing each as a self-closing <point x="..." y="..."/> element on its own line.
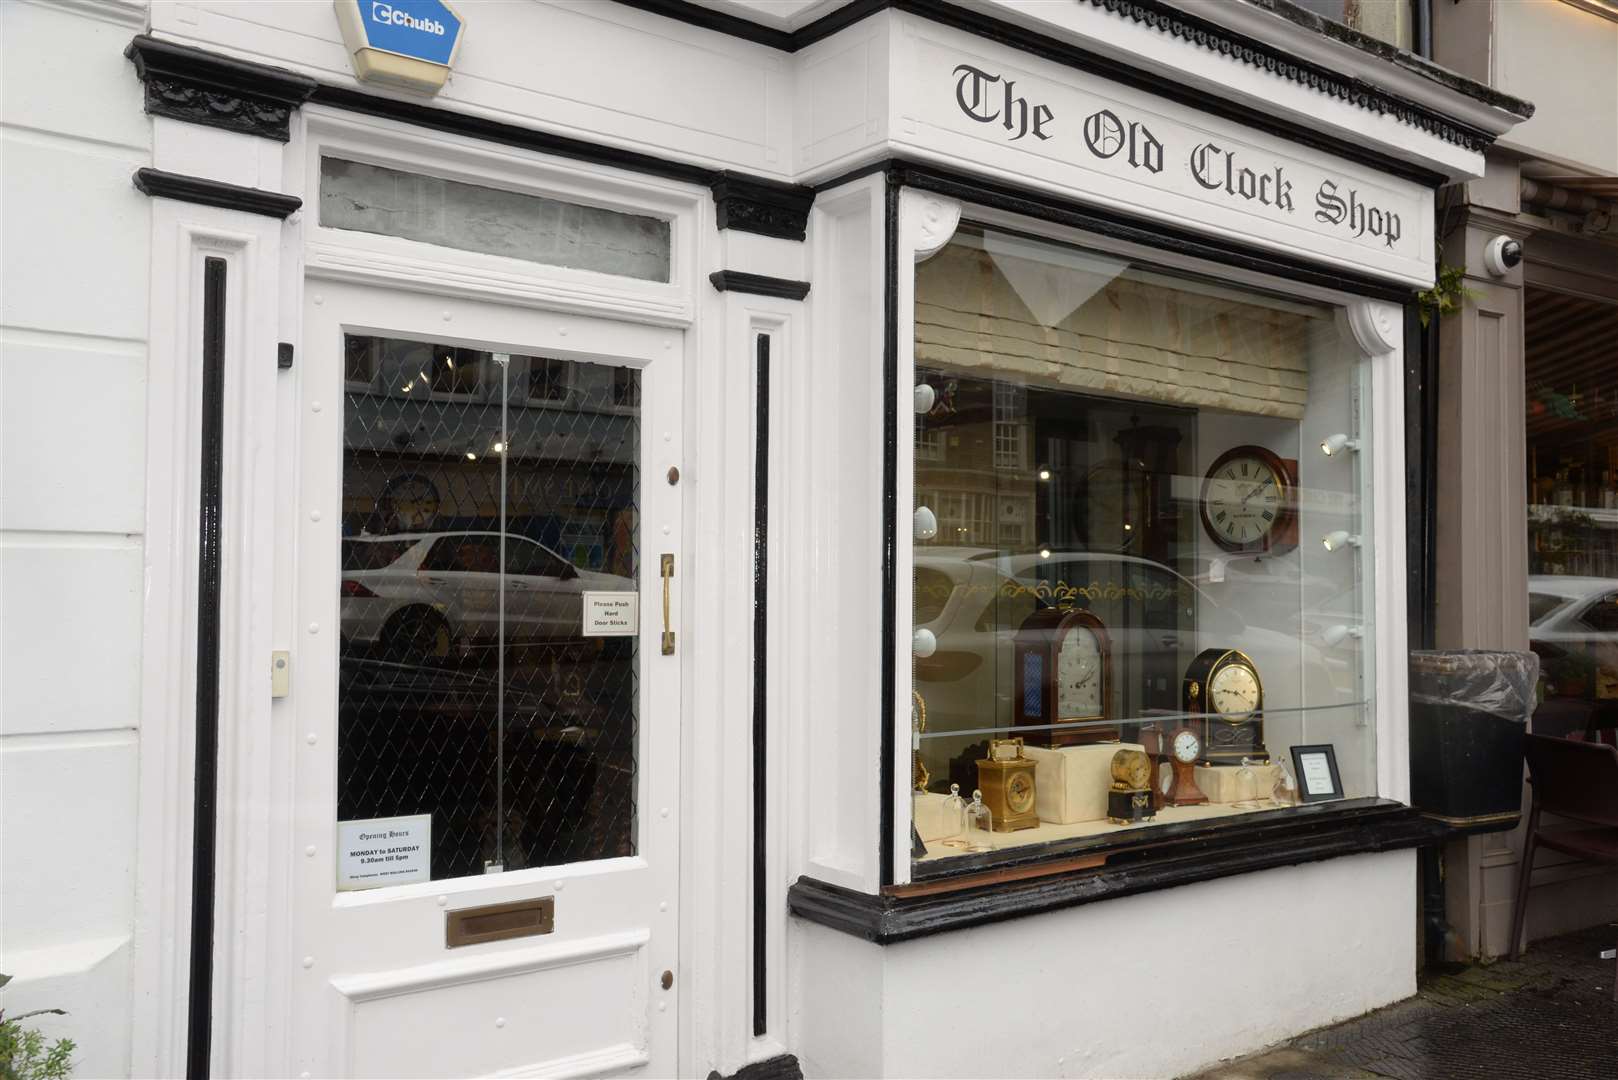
<point x="1575" y="615"/>
<point x="418" y="594"/>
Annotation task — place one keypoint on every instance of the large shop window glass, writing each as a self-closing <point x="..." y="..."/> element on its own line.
<point x="1141" y="550"/>
<point x="483" y="495"/>
<point x="1571" y="360"/>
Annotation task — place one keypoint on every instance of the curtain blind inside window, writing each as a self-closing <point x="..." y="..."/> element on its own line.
<point x="1084" y="321"/>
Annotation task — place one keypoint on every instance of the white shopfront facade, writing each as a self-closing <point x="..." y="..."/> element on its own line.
<point x="228" y="332"/>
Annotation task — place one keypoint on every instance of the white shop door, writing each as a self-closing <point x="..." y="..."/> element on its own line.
<point x="488" y="713"/>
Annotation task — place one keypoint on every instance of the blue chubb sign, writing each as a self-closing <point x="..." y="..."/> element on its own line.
<point x="408" y="43"/>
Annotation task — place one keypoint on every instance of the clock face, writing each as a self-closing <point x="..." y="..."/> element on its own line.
<point x="1233" y="692"/>
<point x="1187" y="747"/>
<point x="1078" y="674"/>
<point x="414" y="500"/>
<point x="1243" y="501"/>
<point x="1020" y="793"/>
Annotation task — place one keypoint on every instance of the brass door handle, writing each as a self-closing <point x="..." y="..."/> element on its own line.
<point x="668" y="634"/>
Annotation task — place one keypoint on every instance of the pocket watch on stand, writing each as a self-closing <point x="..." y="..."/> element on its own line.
<point x="1223" y="685"/>
<point x="919" y="776"/>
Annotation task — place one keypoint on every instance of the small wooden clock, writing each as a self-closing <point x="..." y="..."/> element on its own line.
<point x="1249" y="501"/>
<point x="1006" y="779"/>
<point x="1063" y="662"/>
<point x="1224" y="686"/>
<point x="1185" y="749"/>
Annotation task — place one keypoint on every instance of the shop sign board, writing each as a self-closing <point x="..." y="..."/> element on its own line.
<point x="1062" y="127"/>
<point x="407" y="43"/>
<point x="374" y="852"/>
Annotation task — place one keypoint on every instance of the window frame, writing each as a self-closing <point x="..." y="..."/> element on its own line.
<point x="1376" y="327"/>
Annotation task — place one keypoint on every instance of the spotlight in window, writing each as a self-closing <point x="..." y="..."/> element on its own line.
<point x="1334" y="636"/>
<point x="924" y="399"/>
<point x="1336" y="444"/>
<point x="923" y="643"/>
<point x="1044" y="553"/>
<point x="470" y="456"/>
<point x="1340" y="538"/>
<point x="926" y="523"/>
<point x="1044" y="474"/>
<point x="498" y="448"/>
<point x="1128" y="527"/>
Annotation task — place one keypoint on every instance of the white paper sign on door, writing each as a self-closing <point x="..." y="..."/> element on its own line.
<point x="611" y="614"/>
<point x="384" y="851"/>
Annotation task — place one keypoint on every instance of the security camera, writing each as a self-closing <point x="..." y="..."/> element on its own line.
<point x="1501" y="254"/>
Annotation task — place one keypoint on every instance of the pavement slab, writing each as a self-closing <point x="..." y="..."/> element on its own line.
<point x="1549" y="1014"/>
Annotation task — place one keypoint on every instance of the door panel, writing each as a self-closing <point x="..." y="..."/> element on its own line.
<point x="467" y="471"/>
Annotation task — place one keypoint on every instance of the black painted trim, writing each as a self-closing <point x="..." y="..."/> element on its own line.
<point x="1126" y="227"/>
<point x="721" y="21"/>
<point x="890" y="498"/>
<point x="205" y="192"/>
<point x="1147" y="863"/>
<point x="758" y="284"/>
<point x="204" y="829"/>
<point x="761" y="669"/>
<point x="780" y="1067"/>
<point x="1421" y="475"/>
<point x="766" y="207"/>
<point x="200" y="87"/>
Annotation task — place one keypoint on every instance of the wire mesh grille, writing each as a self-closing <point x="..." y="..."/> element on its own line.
<point x="483" y="494"/>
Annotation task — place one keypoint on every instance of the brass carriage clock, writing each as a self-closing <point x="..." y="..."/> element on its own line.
<point x="1223" y="686"/>
<point x="1006" y="779"/>
<point x="1130" y="798"/>
<point x="1063" y="663"/>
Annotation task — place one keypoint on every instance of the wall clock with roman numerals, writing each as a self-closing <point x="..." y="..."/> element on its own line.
<point x="1249" y="501"/>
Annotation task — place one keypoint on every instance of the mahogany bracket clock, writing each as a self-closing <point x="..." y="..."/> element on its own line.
<point x="1063" y="663"/>
<point x="1249" y="501"/>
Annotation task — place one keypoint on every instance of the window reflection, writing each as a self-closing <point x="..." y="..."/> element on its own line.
<point x="475" y="517"/>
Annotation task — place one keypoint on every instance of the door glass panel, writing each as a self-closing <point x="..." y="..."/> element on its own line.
<point x="483" y="495"/>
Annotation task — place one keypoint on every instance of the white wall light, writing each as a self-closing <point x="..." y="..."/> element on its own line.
<point x="1334" y="636"/>
<point x="926" y="523"/>
<point x="1340" y="538"/>
<point x="923" y="643"/>
<point x="1334" y="444"/>
<point x="924" y="399"/>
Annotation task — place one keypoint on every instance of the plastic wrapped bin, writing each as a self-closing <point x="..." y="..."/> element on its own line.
<point x="1468" y="712"/>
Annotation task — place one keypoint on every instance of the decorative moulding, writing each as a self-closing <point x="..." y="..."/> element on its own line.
<point x="200" y="87"/>
<point x="205" y="192"/>
<point x="929" y="221"/>
<point x="758" y="284"/>
<point x="748" y="204"/>
<point x="1377" y="326"/>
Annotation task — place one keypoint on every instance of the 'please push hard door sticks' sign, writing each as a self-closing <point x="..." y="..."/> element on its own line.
<point x="404" y="43"/>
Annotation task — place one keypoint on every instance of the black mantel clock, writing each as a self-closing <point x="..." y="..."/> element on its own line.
<point x="1223" y="686"/>
<point x="1063" y="662"/>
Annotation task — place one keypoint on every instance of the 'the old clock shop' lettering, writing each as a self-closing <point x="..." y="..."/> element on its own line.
<point x="988" y="98"/>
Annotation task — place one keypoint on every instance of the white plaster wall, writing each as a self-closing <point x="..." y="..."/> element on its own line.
<point x="73" y="323"/>
<point x="1153" y="985"/>
<point x="1565" y="61"/>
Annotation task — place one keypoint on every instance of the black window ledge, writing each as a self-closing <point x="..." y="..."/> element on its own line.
<point x="1310" y="834"/>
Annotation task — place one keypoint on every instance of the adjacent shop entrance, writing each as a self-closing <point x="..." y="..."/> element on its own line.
<point x="487" y="694"/>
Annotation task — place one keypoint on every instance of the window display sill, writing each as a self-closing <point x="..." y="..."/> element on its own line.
<point x="1009" y="890"/>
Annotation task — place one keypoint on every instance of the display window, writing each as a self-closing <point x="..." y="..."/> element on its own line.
<point x="1141" y="550"/>
<point x="1571" y="398"/>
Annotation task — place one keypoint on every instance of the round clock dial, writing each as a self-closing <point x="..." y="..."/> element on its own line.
<point x="1078" y="674"/>
<point x="414" y="501"/>
<point x="1245" y="499"/>
<point x="1186" y="746"/>
<point x="1233" y="692"/>
<point x="1132" y="768"/>
<point x="1020" y="793"/>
